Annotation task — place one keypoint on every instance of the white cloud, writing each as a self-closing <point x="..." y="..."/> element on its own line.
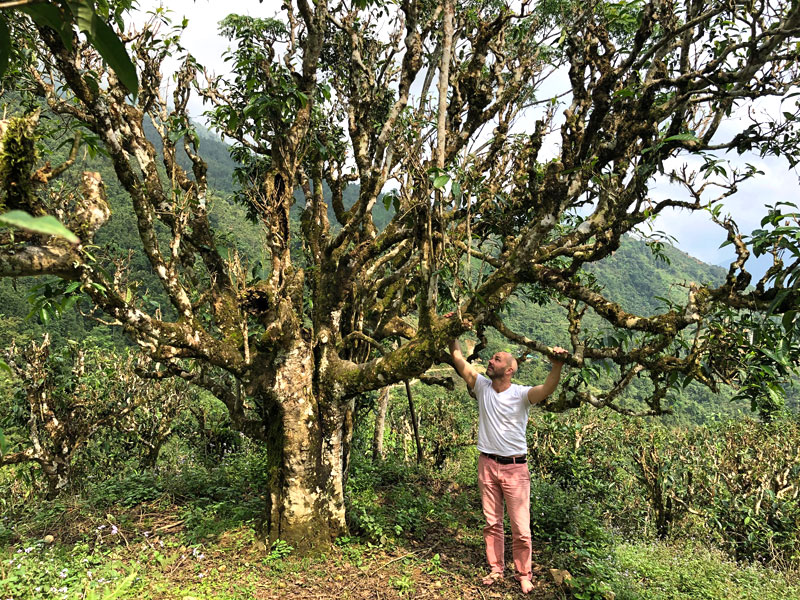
<point x="695" y="232"/>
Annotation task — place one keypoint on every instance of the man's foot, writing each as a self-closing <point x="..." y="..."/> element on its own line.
<point x="526" y="586"/>
<point x="492" y="578"/>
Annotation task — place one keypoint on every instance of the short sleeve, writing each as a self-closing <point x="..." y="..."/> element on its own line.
<point x="481" y="382"/>
<point x="522" y="391"/>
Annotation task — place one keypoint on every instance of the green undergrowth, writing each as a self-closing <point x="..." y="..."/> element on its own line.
<point x="394" y="501"/>
<point x="689" y="571"/>
<point x="194" y="532"/>
<point x="210" y="499"/>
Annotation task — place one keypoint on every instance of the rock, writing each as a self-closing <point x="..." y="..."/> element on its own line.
<point x="560" y="577"/>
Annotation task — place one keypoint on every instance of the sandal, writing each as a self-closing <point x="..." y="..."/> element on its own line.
<point x="492" y="578"/>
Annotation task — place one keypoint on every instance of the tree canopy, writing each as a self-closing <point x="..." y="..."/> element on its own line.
<point x="497" y="186"/>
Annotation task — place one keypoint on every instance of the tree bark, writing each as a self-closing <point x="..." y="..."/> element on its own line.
<point x="380" y="424"/>
<point x="414" y="425"/>
<point x="310" y="440"/>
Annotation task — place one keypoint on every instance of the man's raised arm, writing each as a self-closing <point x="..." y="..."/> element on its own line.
<point x="538" y="393"/>
<point x="462" y="367"/>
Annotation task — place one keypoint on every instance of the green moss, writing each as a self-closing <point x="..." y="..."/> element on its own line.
<point x="18" y="158"/>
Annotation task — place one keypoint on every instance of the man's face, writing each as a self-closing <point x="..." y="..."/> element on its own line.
<point x="498" y="365"/>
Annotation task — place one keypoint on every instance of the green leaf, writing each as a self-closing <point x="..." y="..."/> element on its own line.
<point x="682" y="137"/>
<point x="68" y="303"/>
<point x="3" y="443"/>
<point x="5" y="46"/>
<point x="779" y="297"/>
<point x="48" y="15"/>
<point x="4" y="368"/>
<point x="441" y="181"/>
<point x="103" y="9"/>
<point x="788" y="320"/>
<point x="91" y="81"/>
<point x="83" y="12"/>
<point x="106" y="43"/>
<point x="113" y="51"/>
<point x="456" y="189"/>
<point x="176" y="135"/>
<point x="47" y="225"/>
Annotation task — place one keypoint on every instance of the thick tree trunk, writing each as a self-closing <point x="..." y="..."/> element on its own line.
<point x="311" y="438"/>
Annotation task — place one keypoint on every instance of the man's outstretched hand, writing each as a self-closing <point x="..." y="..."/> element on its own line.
<point x="466" y="322"/>
<point x="560" y="355"/>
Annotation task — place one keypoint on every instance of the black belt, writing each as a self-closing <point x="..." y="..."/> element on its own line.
<point x="507" y="460"/>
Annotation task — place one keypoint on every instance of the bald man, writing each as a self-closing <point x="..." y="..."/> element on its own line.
<point x="502" y="465"/>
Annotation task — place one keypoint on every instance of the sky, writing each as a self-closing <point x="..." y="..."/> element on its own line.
<point x="693" y="233"/>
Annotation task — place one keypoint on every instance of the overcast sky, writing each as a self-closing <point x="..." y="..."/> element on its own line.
<point x="694" y="233"/>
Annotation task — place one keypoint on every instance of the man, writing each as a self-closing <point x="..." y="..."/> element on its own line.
<point x="502" y="465"/>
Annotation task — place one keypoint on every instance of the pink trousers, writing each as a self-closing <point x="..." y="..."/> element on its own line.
<point x="512" y="483"/>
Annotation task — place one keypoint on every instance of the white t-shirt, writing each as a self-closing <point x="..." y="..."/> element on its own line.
<point x="502" y="418"/>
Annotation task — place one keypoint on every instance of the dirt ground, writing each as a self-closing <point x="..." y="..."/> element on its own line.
<point x="167" y="561"/>
<point x="441" y="566"/>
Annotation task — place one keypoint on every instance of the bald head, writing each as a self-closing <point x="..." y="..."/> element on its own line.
<point x="511" y="362"/>
<point x="501" y="365"/>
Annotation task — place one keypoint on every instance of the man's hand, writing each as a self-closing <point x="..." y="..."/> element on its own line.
<point x="561" y="355"/>
<point x="462" y="367"/>
<point x="465" y="322"/>
<point x="539" y="393"/>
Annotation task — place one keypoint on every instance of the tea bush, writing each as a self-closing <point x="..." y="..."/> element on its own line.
<point x="736" y="481"/>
